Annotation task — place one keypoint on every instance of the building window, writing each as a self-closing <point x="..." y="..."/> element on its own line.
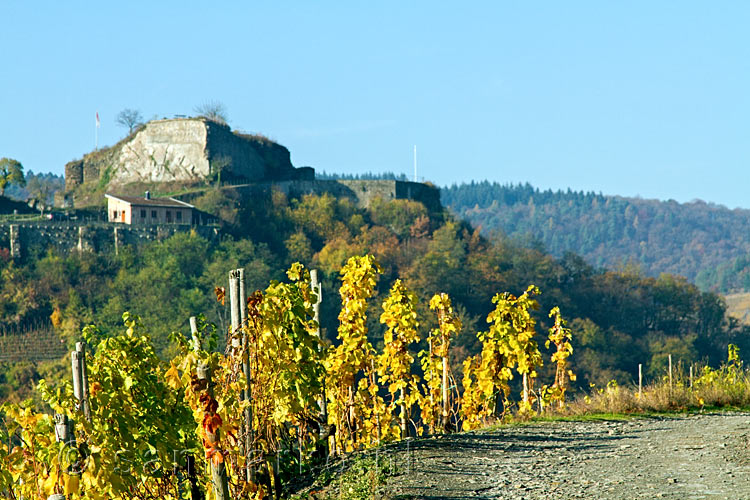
<point x="143" y="214"/>
<point x="153" y="214"/>
<point x="178" y="215"/>
<point x="169" y="216"/>
<point x="114" y="215"/>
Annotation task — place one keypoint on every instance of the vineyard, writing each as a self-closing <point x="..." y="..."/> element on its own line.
<point x="40" y="343"/>
<point x="279" y="400"/>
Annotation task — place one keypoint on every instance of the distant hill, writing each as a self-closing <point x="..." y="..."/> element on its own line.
<point x="707" y="243"/>
<point x="738" y="306"/>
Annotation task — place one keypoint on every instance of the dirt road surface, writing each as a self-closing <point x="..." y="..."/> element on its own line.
<point x="688" y="457"/>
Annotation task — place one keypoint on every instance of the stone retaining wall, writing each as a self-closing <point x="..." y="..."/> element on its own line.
<point x="361" y="192"/>
<point x="22" y="237"/>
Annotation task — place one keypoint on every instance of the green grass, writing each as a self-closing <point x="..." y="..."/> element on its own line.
<point x="20" y="217"/>
<point x="358" y="478"/>
<point x="589" y="417"/>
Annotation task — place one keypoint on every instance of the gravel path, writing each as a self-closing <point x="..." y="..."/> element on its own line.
<point x="691" y="457"/>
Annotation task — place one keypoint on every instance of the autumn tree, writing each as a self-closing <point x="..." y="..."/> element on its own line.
<point x="218" y="165"/>
<point x="40" y="191"/>
<point x="11" y="172"/>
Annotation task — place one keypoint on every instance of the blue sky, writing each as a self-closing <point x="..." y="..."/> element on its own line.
<point x="632" y="98"/>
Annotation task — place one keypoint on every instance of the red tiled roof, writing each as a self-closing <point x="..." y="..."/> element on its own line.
<point x="151" y="202"/>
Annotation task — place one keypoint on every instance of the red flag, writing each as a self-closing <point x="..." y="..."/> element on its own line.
<point x="98" y="123"/>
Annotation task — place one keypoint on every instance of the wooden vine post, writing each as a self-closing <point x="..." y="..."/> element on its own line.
<point x="640" y="382"/>
<point x="238" y="309"/>
<point x="190" y="469"/>
<point x="317" y="288"/>
<point x="445" y="415"/>
<point x="64" y="433"/>
<point x="65" y="427"/>
<point x="194" y="333"/>
<point x="249" y="437"/>
<point x="218" y="467"/>
<point x="691" y="375"/>
<point x="234" y="308"/>
<point x="448" y="325"/>
<point x="670" y="375"/>
<point x="81" y="379"/>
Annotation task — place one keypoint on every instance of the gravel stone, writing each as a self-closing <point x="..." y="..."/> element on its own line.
<point x="703" y="456"/>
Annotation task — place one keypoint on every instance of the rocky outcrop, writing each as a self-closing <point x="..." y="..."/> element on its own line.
<point x="184" y="150"/>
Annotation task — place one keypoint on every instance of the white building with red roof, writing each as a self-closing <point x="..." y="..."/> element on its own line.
<point x="147" y="210"/>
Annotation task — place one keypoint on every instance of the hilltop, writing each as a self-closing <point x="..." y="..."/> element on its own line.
<point x="176" y="153"/>
<point x="708" y="244"/>
<point x="192" y="158"/>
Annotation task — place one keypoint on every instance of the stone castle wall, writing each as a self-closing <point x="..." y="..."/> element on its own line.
<point x="36" y="237"/>
<point x="361" y="192"/>
<point x="254" y="158"/>
<point x="367" y="190"/>
<point x="73" y="174"/>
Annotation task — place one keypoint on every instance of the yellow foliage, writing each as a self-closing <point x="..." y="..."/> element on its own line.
<point x="435" y="411"/>
<point x="394" y="364"/>
<point x="351" y="404"/>
<point x="560" y="336"/>
<point x="509" y="344"/>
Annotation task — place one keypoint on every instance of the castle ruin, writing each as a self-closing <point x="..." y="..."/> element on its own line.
<point x="198" y="152"/>
<point x="187" y="150"/>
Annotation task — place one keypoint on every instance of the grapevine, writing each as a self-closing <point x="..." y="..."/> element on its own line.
<point x="354" y="402"/>
<point x="560" y="336"/>
<point x="394" y="363"/>
<point x="144" y="409"/>
<point x="127" y="448"/>
<point x="508" y="344"/>
<point x="435" y="401"/>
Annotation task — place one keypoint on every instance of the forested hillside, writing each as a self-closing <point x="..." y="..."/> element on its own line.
<point x="707" y="243"/>
<point x="619" y="318"/>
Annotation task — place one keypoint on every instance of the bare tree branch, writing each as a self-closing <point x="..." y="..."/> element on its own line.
<point x="129" y="118"/>
<point x="212" y="110"/>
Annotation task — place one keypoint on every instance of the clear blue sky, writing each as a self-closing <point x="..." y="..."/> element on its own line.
<point x="633" y="98"/>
